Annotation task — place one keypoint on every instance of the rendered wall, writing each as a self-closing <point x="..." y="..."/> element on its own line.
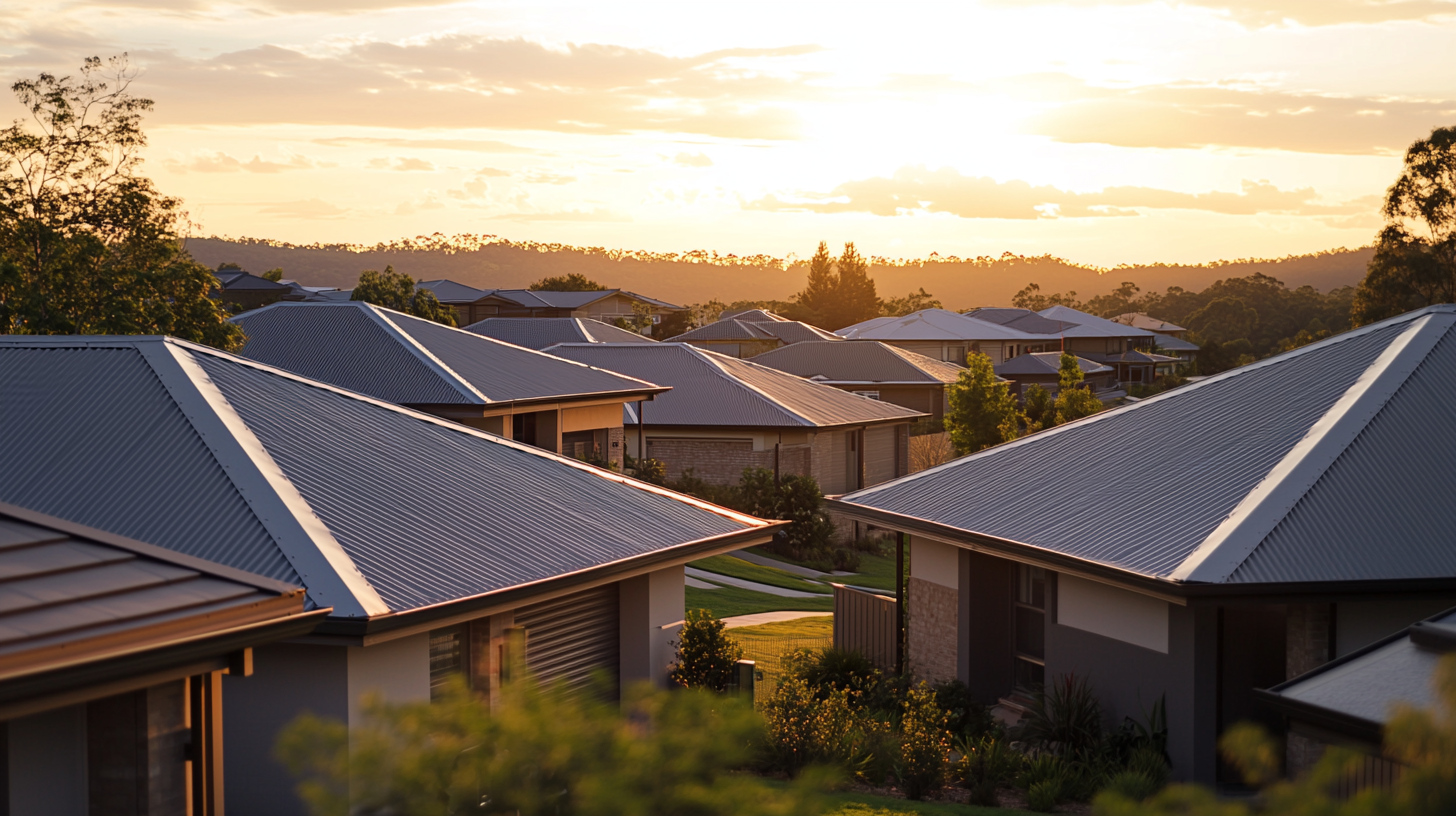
<point x="47" y="754"/>
<point x="652" y="611"/>
<point x="1360" y="623"/>
<point x="398" y="670"/>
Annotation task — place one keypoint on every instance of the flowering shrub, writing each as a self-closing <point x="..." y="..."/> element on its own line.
<point x="924" y="743"/>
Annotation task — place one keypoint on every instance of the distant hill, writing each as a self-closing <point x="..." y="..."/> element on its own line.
<point x="488" y="262"/>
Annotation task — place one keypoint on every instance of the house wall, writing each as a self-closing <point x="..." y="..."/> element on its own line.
<point x="398" y="670"/>
<point x="933" y="611"/>
<point x="1360" y="623"/>
<point x="47" y="763"/>
<point x="591" y="417"/>
<point x="829" y="466"/>
<point x="652" y="609"/>
<point x="881" y="457"/>
<point x="288" y="680"/>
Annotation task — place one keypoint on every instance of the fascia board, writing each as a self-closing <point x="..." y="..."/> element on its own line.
<point x="329" y="574"/>
<point x="1265" y="507"/>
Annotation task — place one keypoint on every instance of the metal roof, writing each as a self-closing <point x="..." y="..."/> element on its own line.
<point x="411" y="361"/>
<point x="448" y="291"/>
<point x="729" y="329"/>
<point x="1138" y="320"/>
<point x="1130" y="357"/>
<point x="547" y="299"/>
<point x="1168" y="342"/>
<point x="860" y="362"/>
<point x="748" y="326"/>
<point x="379" y="508"/>
<point x="540" y="332"/>
<point x="67" y="596"/>
<point x="1020" y="319"/>
<point x="1323" y="463"/>
<point x="1045" y="362"/>
<point x="713" y="389"/>
<point x="1081" y="324"/>
<point x="247" y="280"/>
<point x="933" y="324"/>
<point x="795" y="331"/>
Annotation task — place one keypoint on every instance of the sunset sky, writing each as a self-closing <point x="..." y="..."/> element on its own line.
<point x="1104" y="132"/>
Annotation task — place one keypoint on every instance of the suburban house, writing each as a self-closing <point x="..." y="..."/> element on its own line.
<point x="245" y="290"/>
<point x="606" y="305"/>
<point x="1044" y="368"/>
<point x="540" y="332"/>
<point x="724" y="415"/>
<point x="753" y="332"/>
<point x="1274" y="516"/>
<point x="474" y="380"/>
<point x="869" y="369"/>
<point x="1171" y="339"/>
<point x="947" y="336"/>
<point x="441" y="549"/>
<point x="112" y="657"/>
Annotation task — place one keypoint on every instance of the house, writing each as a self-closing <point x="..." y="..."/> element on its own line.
<point x="1044" y="368"/>
<point x="606" y="305"/>
<point x="112" y="658"/>
<point x="243" y="290"/>
<point x="1349" y="700"/>
<point x="439" y="547"/>
<point x="724" y="415"/>
<point x="753" y="332"/>
<point x="870" y="369"/>
<point x="1171" y="340"/>
<point x="540" y="332"/>
<point x="947" y="336"/>
<point x="1197" y="545"/>
<point x="474" y="380"/>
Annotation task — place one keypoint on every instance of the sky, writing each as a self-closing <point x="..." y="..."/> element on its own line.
<point x="1103" y="132"/>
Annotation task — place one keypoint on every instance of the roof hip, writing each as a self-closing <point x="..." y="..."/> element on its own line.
<point x="446" y="373"/>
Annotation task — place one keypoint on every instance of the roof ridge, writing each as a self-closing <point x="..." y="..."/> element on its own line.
<point x="1263" y="508"/>
<point x="424" y="354"/>
<point x="1176" y="393"/>
<point x="717" y="366"/>
<point x="301" y="536"/>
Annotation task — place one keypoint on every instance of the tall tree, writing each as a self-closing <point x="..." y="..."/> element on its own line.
<point x="819" y="290"/>
<point x="1073" y="401"/>
<point x="914" y="302"/>
<point x="855" y="298"/>
<point x="87" y="244"/>
<point x="573" y="282"/>
<point x="982" y="411"/>
<point x="1415" y="254"/>
<point x="398" y="291"/>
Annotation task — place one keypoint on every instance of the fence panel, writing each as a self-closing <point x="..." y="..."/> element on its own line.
<point x="768" y="656"/>
<point x="866" y="622"/>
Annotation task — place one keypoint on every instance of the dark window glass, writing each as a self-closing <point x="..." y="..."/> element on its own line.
<point x="447" y="657"/>
<point x="1029" y="674"/>
<point x="1030" y="632"/>
<point x="1031" y="586"/>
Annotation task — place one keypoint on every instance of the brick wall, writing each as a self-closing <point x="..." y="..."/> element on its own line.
<point x="1307" y="646"/>
<point x="616" y="446"/>
<point x="931" y="630"/>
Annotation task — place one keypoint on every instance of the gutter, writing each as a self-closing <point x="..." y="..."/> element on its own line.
<point x="365" y="632"/>
<point x="1182" y="593"/>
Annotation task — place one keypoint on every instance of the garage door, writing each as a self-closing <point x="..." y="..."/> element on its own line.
<point x="570" y="638"/>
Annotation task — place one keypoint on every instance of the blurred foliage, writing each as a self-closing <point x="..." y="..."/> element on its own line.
<point x="542" y="752"/>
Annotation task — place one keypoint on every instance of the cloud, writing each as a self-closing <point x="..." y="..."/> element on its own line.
<point x="1185" y="115"/>
<point x="594" y="214"/>
<point x="460" y="81"/>
<point x="430" y="201"/>
<point x="492" y="172"/>
<point x="546" y="177"/>
<point x="693" y="160"/>
<point x="917" y="189"/>
<point x="308" y="209"/>
<point x="1300" y="12"/>
<point x="402" y="164"/>
<point x="466" y="145"/>
<point x="223" y="163"/>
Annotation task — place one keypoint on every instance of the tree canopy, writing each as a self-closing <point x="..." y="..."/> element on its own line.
<point x="982" y="411"/>
<point x="397" y="291"/>
<point x="571" y="282"/>
<point x="1415" y="253"/>
<point x="87" y="243"/>
<point x="1073" y="401"/>
<point x="839" y="292"/>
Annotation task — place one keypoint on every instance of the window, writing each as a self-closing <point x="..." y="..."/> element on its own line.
<point x="447" y="657"/>
<point x="955" y="354"/>
<point x="1029" y="620"/>
<point x="874" y="395"/>
<point x="1114" y="346"/>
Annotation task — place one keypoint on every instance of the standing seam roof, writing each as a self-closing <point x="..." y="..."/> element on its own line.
<point x="864" y="361"/>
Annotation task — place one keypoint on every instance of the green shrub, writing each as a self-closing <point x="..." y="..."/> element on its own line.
<point x="723" y="495"/>
<point x="805" y="727"/>
<point x="968" y="716"/>
<point x="1134" y="785"/>
<point x="1065" y="717"/>
<point x="1042" y="768"/>
<point x="924" y="744"/>
<point x="845" y="559"/>
<point x="872" y="545"/>
<point x="1043" y="796"/>
<point x="705" y="653"/>
<point x="648" y="470"/>
<point x="987" y="761"/>
<point x="795" y="499"/>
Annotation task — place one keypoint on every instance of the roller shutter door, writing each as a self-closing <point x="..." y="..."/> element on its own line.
<point x="879" y="453"/>
<point x="570" y="638"/>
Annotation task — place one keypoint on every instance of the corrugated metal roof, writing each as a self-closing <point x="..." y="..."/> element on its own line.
<point x="934" y="324"/>
<point x="713" y="389"/>
<point x="1045" y="362"/>
<point x="448" y="291"/>
<point x="726" y="330"/>
<point x="1020" y="319"/>
<point x="1081" y="324"/>
<point x="540" y="332"/>
<point x="426" y="511"/>
<point x="794" y="331"/>
<point x="1313" y="465"/>
<point x="411" y="361"/>
<point x="858" y="362"/>
<point x="93" y="437"/>
<point x="547" y="299"/>
<point x="1138" y="320"/>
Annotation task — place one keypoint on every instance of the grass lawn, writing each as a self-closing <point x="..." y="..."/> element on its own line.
<point x="727" y="602"/>
<point x="822" y="626"/>
<point x="875" y="571"/>
<point x="738" y="568"/>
